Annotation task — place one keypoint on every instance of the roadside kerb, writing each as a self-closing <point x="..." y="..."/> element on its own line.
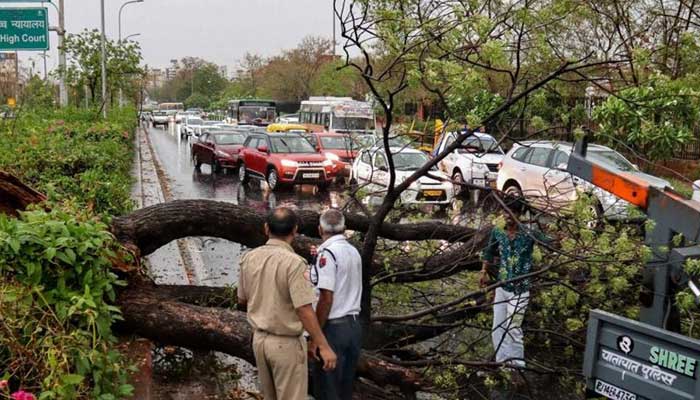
<point x="190" y="254"/>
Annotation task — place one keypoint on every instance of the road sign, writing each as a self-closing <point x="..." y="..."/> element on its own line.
<point x="11" y="102"/>
<point x="630" y="360"/>
<point x="24" y="29"/>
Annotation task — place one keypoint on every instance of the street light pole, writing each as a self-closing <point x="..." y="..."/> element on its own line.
<point x="126" y="39"/>
<point x="103" y="51"/>
<point x="121" y="93"/>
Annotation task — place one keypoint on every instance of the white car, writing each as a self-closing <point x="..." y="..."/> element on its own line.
<point x="160" y="118"/>
<point x="371" y="169"/>
<point x="475" y="161"/>
<point x="190" y="126"/>
<point x="537" y="171"/>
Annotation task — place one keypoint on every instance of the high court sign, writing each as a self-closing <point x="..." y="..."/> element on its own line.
<point x="630" y="360"/>
<point x="24" y="29"/>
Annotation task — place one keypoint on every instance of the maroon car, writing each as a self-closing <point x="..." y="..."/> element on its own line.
<point x="218" y="148"/>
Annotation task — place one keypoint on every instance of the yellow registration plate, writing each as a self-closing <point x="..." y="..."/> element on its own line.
<point x="432" y="193"/>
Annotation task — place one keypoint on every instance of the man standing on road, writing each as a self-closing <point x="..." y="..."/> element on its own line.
<point x="279" y="303"/>
<point x="513" y="246"/>
<point x="337" y="274"/>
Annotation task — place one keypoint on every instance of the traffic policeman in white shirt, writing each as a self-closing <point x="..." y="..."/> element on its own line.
<point x="337" y="275"/>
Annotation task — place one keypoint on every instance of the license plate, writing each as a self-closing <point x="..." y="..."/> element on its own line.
<point x="432" y="193"/>
<point x="479" y="182"/>
<point x="612" y="391"/>
<point x="311" y="176"/>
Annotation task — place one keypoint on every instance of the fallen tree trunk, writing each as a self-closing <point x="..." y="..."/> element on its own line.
<point x="148" y="314"/>
<point x="15" y="196"/>
<point x="153" y="227"/>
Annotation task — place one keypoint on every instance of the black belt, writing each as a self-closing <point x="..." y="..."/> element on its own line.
<point x="347" y="318"/>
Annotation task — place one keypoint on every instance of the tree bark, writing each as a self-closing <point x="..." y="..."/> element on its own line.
<point x="15" y="196"/>
<point x="152" y="227"/>
<point x="148" y="312"/>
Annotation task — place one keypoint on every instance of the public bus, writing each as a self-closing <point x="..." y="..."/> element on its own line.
<point x="252" y="112"/>
<point x="338" y="114"/>
<point x="171" y="106"/>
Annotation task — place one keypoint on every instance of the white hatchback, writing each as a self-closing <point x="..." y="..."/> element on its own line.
<point x="371" y="169"/>
<point x="537" y="171"/>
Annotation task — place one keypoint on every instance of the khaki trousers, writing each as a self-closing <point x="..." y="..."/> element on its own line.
<point x="282" y="366"/>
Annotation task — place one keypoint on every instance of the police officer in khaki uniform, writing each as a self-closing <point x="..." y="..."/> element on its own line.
<point x="279" y="301"/>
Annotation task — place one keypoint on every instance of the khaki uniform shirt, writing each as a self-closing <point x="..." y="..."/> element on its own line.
<point x="273" y="284"/>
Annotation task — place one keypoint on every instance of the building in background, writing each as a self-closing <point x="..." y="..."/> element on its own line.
<point x="155" y="78"/>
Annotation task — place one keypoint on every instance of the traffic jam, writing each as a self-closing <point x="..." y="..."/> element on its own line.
<point x="336" y="142"/>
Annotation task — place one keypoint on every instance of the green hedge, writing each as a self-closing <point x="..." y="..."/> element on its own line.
<point x="73" y="156"/>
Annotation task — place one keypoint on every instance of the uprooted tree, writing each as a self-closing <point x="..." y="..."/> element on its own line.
<point x="490" y="64"/>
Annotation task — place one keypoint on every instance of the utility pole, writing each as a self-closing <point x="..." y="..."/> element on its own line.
<point x="119" y="20"/>
<point x="103" y="61"/>
<point x="333" y="13"/>
<point x="62" y="91"/>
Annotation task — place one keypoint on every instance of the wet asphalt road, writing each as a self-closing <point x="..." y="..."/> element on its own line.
<point x="219" y="256"/>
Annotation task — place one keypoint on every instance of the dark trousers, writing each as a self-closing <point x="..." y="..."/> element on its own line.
<point x="344" y="336"/>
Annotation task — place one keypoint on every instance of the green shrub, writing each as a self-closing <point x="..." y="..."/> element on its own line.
<point x="56" y="287"/>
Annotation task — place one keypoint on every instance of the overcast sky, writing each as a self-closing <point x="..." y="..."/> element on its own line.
<point x="220" y="31"/>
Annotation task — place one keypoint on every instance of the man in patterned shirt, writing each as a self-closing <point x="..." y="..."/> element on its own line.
<point x="511" y="249"/>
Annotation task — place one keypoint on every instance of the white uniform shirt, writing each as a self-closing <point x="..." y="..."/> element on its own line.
<point x="340" y="273"/>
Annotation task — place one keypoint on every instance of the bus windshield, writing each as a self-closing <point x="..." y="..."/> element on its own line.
<point x="251" y="113"/>
<point x="353" y="124"/>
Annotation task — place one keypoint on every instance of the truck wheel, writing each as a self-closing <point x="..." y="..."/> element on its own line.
<point x="324" y="186"/>
<point x="242" y="174"/>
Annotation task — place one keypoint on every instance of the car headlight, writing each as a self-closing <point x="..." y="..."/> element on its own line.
<point x="327" y="163"/>
<point x="222" y="154"/>
<point x="289" y="163"/>
<point x="332" y="157"/>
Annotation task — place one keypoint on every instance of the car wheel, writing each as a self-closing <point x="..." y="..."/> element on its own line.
<point x="273" y="180"/>
<point x="513" y="189"/>
<point x="457" y="178"/>
<point x="242" y="174"/>
<point x="596" y="211"/>
<point x="197" y="162"/>
<point x="216" y="167"/>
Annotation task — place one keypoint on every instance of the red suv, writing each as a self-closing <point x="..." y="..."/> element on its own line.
<point x="338" y="148"/>
<point x="283" y="159"/>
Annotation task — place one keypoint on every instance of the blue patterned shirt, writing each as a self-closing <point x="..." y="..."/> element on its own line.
<point x="515" y="255"/>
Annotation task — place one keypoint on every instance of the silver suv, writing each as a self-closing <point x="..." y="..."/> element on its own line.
<point x="537" y="171"/>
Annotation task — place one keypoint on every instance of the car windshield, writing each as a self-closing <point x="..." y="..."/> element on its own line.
<point x="353" y="124"/>
<point x="610" y="158"/>
<point x="195" y="121"/>
<point x="410" y="161"/>
<point x="212" y="122"/>
<point x="479" y="145"/>
<point x="171" y="112"/>
<point x="160" y="113"/>
<point x="291" y="144"/>
<point x="229" y="138"/>
<point x="338" y="143"/>
<point x="251" y="113"/>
